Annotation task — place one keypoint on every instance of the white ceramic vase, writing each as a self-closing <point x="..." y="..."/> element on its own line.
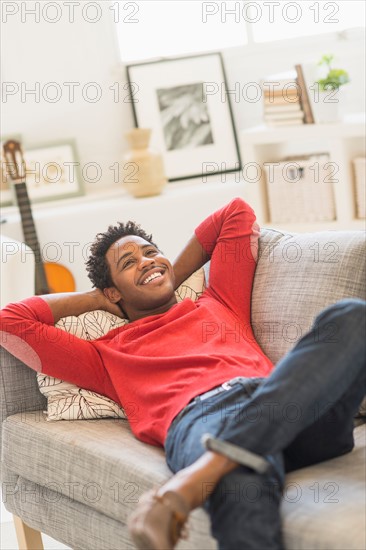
<point x="143" y="169"/>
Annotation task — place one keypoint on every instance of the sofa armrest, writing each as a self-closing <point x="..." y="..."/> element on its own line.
<point x="18" y="388"/>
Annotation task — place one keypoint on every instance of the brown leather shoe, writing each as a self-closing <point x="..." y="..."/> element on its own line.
<point x="157" y="522"/>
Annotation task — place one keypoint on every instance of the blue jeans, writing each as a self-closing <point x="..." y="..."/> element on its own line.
<point x="300" y="415"/>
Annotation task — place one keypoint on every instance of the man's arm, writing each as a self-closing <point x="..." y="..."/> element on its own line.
<point x="28" y="332"/>
<point x="75" y="303"/>
<point x="192" y="257"/>
<point x="230" y="238"/>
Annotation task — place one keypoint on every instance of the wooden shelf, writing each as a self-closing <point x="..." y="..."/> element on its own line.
<point x="350" y="126"/>
<point x="342" y="141"/>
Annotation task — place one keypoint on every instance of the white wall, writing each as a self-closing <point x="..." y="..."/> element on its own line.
<point x="65" y="52"/>
<point x="42" y="52"/>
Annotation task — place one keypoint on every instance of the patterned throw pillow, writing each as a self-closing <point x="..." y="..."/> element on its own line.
<point x="66" y="401"/>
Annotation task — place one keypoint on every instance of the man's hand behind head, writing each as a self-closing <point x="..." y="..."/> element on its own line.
<point x="103" y="303"/>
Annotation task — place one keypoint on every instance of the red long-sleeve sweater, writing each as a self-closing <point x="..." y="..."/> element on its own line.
<point x="155" y="365"/>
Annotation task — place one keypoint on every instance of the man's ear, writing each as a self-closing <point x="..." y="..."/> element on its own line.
<point x="112" y="294"/>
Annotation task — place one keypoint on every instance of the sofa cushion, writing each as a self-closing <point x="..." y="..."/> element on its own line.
<point x="297" y="276"/>
<point x="324" y="506"/>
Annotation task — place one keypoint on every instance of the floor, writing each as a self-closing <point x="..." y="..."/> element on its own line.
<point x="8" y="540"/>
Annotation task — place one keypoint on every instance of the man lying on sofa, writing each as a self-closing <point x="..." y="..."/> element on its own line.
<point x="212" y="399"/>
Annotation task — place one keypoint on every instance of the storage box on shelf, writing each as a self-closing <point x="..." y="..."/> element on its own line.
<point x="359" y="165"/>
<point x="300" y="190"/>
<point x="342" y="142"/>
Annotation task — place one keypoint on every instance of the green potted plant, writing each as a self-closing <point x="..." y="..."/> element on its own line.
<point x="329" y="89"/>
<point x="335" y="78"/>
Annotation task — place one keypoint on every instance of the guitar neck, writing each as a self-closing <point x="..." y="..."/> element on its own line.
<point x="30" y="236"/>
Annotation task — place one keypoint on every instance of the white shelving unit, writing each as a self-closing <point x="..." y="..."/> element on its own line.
<point x="343" y="142"/>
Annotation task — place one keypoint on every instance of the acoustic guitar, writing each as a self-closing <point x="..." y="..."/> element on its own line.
<point x="50" y="277"/>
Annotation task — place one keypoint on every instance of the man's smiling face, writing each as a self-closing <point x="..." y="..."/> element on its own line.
<point x="143" y="278"/>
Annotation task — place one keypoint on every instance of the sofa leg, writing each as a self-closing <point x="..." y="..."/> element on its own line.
<point x="28" y="538"/>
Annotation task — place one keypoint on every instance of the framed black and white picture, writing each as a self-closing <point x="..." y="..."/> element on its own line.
<point x="184" y="102"/>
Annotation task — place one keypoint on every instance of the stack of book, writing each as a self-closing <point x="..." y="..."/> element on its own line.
<point x="282" y="101"/>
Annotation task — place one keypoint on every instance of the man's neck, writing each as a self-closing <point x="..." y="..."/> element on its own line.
<point x="140" y="314"/>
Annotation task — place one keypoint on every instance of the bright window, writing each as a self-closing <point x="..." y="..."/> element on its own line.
<point x="169" y="28"/>
<point x="279" y="20"/>
<point x="164" y="28"/>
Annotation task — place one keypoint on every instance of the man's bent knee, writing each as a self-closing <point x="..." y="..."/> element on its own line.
<point x="353" y="307"/>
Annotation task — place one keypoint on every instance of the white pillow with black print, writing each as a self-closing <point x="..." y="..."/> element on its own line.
<point x="66" y="401"/>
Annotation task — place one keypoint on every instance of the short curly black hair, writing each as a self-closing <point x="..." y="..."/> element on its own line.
<point x="96" y="265"/>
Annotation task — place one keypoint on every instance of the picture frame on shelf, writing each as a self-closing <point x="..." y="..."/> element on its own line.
<point x="6" y="193"/>
<point x="53" y="171"/>
<point x="184" y="101"/>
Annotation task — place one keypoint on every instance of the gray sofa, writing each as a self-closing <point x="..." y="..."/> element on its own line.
<point x="78" y="481"/>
